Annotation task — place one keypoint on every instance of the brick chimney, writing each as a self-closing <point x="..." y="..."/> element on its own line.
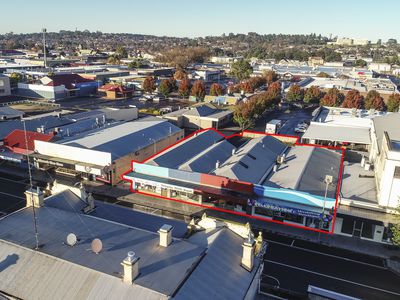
<point x="34" y="197"/>
<point x="248" y="254"/>
<point x="165" y="235"/>
<point x="131" y="267"/>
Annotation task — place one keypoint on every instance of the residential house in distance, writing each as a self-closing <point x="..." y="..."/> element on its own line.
<point x="314" y="61"/>
<point x="116" y="91"/>
<point x="59" y="86"/>
<point x="199" y="116"/>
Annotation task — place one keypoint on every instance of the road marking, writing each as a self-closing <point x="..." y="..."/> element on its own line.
<point x="11" y="195"/>
<point x="333" y="277"/>
<point x="326" y="254"/>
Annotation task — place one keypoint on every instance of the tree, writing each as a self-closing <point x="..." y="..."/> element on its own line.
<point x="332" y="98"/>
<point x="360" y="63"/>
<point x="246" y="87"/>
<point x="312" y="95"/>
<point x="353" y="99"/>
<point x="393" y="102"/>
<point x="121" y="52"/>
<point x="184" y="88"/>
<point x="114" y="60"/>
<point x="242" y="115"/>
<point x="295" y="93"/>
<point x="149" y="84"/>
<point x="165" y="87"/>
<point x="241" y="69"/>
<point x="198" y="90"/>
<point x="270" y="76"/>
<point x="323" y="75"/>
<point x="180" y="74"/>
<point x="216" y="89"/>
<point x="173" y="85"/>
<point x="15" y="78"/>
<point x="274" y="89"/>
<point x="395" y="229"/>
<point x="374" y="100"/>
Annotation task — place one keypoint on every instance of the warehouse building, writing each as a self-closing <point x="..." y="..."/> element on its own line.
<point x="104" y="152"/>
<point x="263" y="177"/>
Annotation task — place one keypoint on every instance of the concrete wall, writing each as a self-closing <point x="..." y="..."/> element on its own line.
<point x="5" y="89"/>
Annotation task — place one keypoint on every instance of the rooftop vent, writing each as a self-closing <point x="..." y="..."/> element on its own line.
<point x="34" y="197"/>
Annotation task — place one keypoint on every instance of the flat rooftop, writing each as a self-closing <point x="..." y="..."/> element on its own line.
<point x="348" y="134"/>
<point x="358" y="184"/>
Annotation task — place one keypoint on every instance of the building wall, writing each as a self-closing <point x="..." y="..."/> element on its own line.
<point x="41" y="91"/>
<point x="5" y="89"/>
<point x="122" y="164"/>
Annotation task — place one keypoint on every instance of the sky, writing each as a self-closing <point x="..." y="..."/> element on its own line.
<point x="361" y="19"/>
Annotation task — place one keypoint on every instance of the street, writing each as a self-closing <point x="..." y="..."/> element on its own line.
<point x="288" y="266"/>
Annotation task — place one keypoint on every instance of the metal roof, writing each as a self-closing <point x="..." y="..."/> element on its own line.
<point x="125" y="138"/>
<point x="186" y="150"/>
<point x="215" y="278"/>
<point x="6" y="111"/>
<point x="29" y="274"/>
<point x="161" y="269"/>
<point x="206" y="160"/>
<point x="349" y="134"/>
<point x="32" y="125"/>
<point x="253" y="160"/>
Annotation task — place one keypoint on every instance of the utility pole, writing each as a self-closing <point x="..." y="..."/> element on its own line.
<point x="44" y="47"/>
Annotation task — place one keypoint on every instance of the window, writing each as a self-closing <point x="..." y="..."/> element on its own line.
<point x="396" y="172"/>
<point x="347" y="226"/>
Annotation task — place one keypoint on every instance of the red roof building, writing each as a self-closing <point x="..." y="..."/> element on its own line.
<point x="17" y="143"/>
<point x="68" y="80"/>
<point x="115" y="91"/>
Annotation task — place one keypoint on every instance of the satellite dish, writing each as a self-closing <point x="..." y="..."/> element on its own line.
<point x="71" y="239"/>
<point x="97" y="245"/>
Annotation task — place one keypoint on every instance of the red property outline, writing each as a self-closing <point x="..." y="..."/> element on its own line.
<point x="240" y="134"/>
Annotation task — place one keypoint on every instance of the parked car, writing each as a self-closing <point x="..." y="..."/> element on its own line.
<point x="301" y="128"/>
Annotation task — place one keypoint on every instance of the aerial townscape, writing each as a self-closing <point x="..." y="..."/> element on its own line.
<point x="177" y="150"/>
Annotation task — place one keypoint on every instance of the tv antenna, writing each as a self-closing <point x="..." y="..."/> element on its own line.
<point x="31" y="190"/>
<point x="96" y="246"/>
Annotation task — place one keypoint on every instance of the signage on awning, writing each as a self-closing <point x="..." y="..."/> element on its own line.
<point x="285" y="209"/>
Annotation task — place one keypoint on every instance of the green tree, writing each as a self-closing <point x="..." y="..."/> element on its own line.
<point x="241" y="69"/>
<point x="149" y="84"/>
<point x="360" y="63"/>
<point x="15" y="78"/>
<point x="395" y="229"/>
<point x="374" y="100"/>
<point x="312" y="95"/>
<point x="165" y="87"/>
<point x="295" y="93"/>
<point x="198" y="90"/>
<point x="121" y="52"/>
<point x="216" y="89"/>
<point x="393" y="102"/>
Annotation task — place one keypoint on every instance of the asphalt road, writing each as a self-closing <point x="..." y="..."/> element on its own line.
<point x="290" y="267"/>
